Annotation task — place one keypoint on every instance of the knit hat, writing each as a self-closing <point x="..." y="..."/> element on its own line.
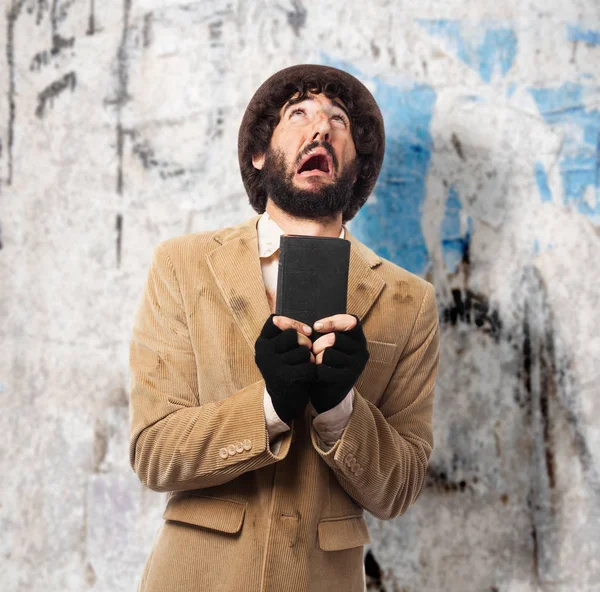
<point x="262" y="115"/>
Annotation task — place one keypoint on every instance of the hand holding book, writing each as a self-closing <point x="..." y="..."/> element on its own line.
<point x="312" y="285"/>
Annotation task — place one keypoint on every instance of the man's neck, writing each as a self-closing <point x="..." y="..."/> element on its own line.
<point x="291" y="225"/>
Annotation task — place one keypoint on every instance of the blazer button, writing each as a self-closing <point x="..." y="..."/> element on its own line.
<point x="231" y="449"/>
<point x="239" y="447"/>
<point x="350" y="460"/>
<point x="223" y="453"/>
<point x="247" y="444"/>
<point x="359" y="471"/>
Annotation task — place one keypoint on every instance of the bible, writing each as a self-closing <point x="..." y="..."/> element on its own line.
<point x="312" y="280"/>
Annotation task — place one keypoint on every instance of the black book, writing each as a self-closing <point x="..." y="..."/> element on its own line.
<point x="312" y="281"/>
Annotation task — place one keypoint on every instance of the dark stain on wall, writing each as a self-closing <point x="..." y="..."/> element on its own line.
<point x="438" y="478"/>
<point x="42" y="58"/>
<point x="373" y="573"/>
<point x="472" y="308"/>
<point x="91" y="30"/>
<point x="215" y="128"/>
<point x="297" y="18"/>
<point x="53" y="90"/>
<point x="215" y="32"/>
<point x="457" y="146"/>
<point x="144" y="151"/>
<point x="550" y="399"/>
<point x="524" y="375"/>
<point x="539" y="367"/>
<point x="534" y="537"/>
<point x="11" y="19"/>
<point x="90" y="575"/>
<point x="122" y="91"/>
<point x="547" y="392"/>
<point x="392" y="56"/>
<point x="119" y="229"/>
<point x="100" y="445"/>
<point x="574" y="52"/>
<point x="147" y="30"/>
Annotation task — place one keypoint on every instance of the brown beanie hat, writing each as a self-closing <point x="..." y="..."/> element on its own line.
<point x="262" y="116"/>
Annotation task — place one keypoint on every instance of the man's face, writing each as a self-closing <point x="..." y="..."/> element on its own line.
<point x="309" y="167"/>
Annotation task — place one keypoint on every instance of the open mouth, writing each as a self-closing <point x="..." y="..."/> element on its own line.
<point x="315" y="164"/>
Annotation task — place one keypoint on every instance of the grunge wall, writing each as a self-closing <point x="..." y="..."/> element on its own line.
<point x="118" y="129"/>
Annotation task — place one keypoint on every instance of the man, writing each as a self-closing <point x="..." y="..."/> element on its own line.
<point x="271" y="444"/>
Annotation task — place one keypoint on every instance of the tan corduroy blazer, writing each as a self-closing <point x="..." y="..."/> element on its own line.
<point x="239" y="518"/>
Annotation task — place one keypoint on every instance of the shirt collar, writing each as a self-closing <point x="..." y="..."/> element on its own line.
<point x="268" y="235"/>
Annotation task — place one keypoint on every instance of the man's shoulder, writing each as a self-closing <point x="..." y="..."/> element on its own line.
<point x="394" y="273"/>
<point x="391" y="273"/>
<point x="197" y="242"/>
<point x="403" y="287"/>
<point x="201" y="243"/>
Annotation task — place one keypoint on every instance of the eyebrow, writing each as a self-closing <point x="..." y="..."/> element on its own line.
<point x="309" y="98"/>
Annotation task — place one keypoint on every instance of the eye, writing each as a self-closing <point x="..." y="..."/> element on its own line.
<point x="342" y="119"/>
<point x="296" y="110"/>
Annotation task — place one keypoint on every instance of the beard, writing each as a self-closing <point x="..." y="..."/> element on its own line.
<point x="323" y="203"/>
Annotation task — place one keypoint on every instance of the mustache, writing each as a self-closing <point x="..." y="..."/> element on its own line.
<point x="324" y="144"/>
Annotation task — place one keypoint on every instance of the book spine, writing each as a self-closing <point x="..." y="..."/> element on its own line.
<point x="280" y="277"/>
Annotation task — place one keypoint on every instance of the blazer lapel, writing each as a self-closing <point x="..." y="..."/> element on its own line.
<point x="236" y="268"/>
<point x="364" y="284"/>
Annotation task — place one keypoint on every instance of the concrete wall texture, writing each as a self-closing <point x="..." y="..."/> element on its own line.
<point x="118" y="129"/>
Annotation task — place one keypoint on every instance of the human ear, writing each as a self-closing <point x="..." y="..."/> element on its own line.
<point x="258" y="160"/>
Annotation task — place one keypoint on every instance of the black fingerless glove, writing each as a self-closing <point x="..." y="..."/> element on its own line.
<point x="286" y="367"/>
<point x="343" y="363"/>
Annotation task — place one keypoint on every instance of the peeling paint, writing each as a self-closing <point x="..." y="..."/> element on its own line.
<point x="391" y="224"/>
<point x="484" y="47"/>
<point x="579" y="163"/>
<point x="454" y="237"/>
<point x="578" y="33"/>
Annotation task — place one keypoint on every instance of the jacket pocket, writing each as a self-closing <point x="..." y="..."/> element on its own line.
<point x="380" y="351"/>
<point x="378" y="370"/>
<point x="343" y="532"/>
<point x="210" y="512"/>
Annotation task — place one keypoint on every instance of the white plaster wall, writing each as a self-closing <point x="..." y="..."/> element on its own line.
<point x="118" y="129"/>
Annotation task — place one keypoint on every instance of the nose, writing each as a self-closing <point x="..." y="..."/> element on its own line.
<point x="322" y="127"/>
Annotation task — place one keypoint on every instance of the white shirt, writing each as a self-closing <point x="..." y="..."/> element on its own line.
<point x="330" y="424"/>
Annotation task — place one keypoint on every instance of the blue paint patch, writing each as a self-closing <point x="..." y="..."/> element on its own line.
<point x="391" y="224"/>
<point x="454" y="245"/>
<point x="498" y="48"/>
<point x="536" y="247"/>
<point x="576" y="33"/>
<point x="542" y="182"/>
<point x="579" y="161"/>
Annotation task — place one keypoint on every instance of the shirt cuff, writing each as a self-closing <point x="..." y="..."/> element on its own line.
<point x="275" y="426"/>
<point x="330" y="424"/>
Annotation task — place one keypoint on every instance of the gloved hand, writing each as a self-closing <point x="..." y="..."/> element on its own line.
<point x="286" y="367"/>
<point x="342" y="364"/>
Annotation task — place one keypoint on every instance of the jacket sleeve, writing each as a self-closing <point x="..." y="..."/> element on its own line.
<point x="177" y="443"/>
<point x="381" y="459"/>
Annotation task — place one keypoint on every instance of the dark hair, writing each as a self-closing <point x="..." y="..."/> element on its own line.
<point x="262" y="116"/>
